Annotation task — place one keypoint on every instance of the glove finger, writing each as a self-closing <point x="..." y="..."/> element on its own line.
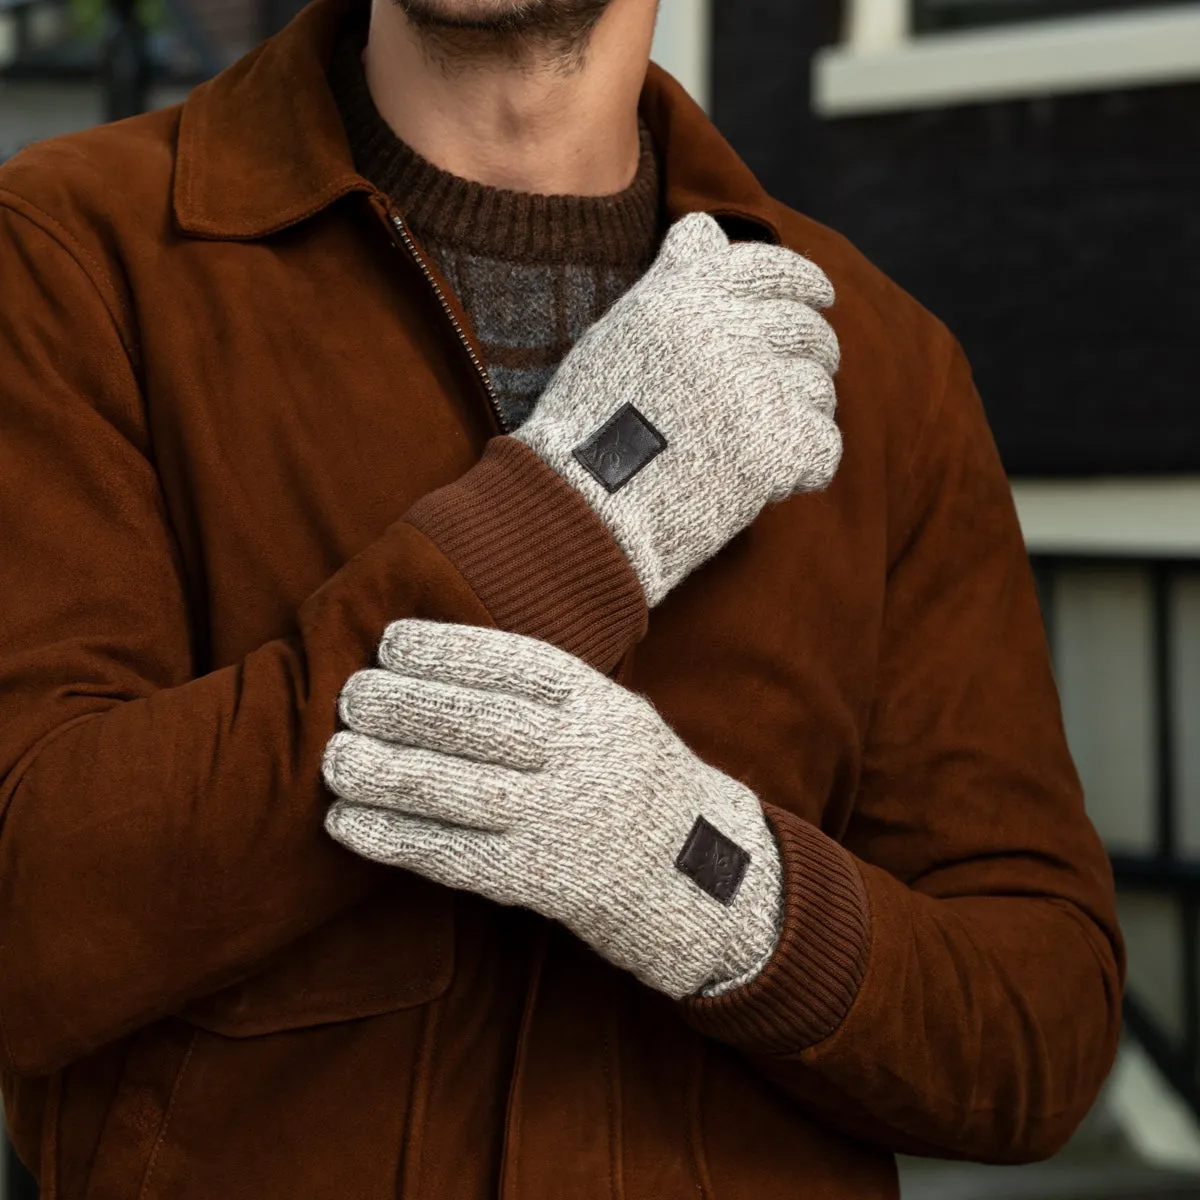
<point x="770" y="272"/>
<point x="422" y="783"/>
<point x="808" y="383"/>
<point x="690" y="240"/>
<point x="813" y="447"/>
<point x="799" y="331"/>
<point x="489" y="727"/>
<point x="455" y="858"/>
<point x="489" y="660"/>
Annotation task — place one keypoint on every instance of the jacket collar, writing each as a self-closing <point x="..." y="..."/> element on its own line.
<point x="261" y="146"/>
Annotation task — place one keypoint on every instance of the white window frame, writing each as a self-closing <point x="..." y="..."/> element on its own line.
<point x="881" y="66"/>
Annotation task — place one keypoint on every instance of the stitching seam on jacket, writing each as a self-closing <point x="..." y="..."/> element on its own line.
<point x="77" y="253"/>
<point x="167" y="1113"/>
<point x="935" y="410"/>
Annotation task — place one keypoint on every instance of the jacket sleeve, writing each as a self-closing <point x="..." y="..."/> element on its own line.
<point x="162" y="828"/>
<point x="949" y="975"/>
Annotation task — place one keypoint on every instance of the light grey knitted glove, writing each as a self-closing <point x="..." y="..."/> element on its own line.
<point x="502" y="765"/>
<point x="704" y="394"/>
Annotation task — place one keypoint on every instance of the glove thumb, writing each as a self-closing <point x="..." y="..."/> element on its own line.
<point x="690" y="240"/>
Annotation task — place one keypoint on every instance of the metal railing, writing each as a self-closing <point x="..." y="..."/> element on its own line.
<point x="1165" y="871"/>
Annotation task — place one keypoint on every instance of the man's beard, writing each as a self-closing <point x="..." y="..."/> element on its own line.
<point x="460" y="31"/>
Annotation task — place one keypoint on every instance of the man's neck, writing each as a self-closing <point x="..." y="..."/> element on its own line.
<point x="538" y="124"/>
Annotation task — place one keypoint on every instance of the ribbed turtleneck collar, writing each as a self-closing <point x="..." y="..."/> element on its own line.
<point x="617" y="230"/>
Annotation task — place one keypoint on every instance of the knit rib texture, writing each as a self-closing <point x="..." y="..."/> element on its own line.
<point x="814" y="976"/>
<point x="618" y="230"/>
<point x="536" y="555"/>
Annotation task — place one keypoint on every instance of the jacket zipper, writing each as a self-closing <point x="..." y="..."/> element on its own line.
<point x="480" y="369"/>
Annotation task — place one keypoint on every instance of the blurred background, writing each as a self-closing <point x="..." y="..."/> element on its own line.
<point x="1030" y="170"/>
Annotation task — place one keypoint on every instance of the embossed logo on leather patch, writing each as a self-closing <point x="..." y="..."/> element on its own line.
<point x="717" y="864"/>
<point x="620" y="448"/>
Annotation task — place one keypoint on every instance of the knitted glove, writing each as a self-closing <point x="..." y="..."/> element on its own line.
<point x="701" y="396"/>
<point x="499" y="764"/>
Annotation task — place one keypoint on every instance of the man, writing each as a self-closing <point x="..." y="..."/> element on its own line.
<point x="476" y="719"/>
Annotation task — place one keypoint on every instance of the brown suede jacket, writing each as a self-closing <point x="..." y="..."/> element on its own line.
<point x="239" y="434"/>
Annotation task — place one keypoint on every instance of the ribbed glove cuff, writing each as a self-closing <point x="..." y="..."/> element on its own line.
<point x="536" y="555"/>
<point x="807" y="988"/>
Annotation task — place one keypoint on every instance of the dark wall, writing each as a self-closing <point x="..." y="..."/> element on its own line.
<point x="760" y="86"/>
<point x="1059" y="238"/>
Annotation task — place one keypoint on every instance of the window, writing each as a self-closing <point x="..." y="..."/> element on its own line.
<point x="930" y="16"/>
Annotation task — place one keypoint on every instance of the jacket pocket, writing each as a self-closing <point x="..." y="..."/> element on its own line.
<point x="266" y="1087"/>
<point x="394" y="951"/>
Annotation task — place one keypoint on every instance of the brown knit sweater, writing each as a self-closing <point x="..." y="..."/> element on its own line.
<point x="533" y="272"/>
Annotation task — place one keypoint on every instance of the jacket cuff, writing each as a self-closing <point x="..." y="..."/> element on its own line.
<point x="537" y="556"/>
<point x="811" y="981"/>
